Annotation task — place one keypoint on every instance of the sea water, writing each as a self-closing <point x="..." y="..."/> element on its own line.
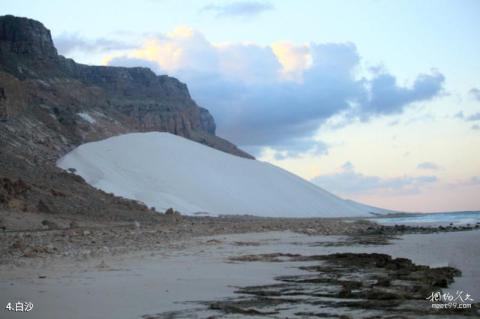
<point x="458" y="219"/>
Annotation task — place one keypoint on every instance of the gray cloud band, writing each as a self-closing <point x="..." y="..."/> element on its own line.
<point x="253" y="108"/>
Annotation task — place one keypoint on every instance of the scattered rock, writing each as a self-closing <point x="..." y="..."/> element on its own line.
<point x="173" y="214"/>
<point x="171" y="211"/>
<point x="57" y="193"/>
<point x="14" y="189"/>
<point x="43" y="207"/>
<point x="383" y="282"/>
<point x="345" y="292"/>
<point x="213" y="241"/>
<point x="373" y="285"/>
<point x="49" y="224"/>
<point x="19" y="244"/>
<point x="246" y="243"/>
<point x="103" y="265"/>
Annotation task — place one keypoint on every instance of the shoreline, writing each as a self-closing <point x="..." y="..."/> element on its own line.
<point x="79" y="242"/>
<point x="192" y="274"/>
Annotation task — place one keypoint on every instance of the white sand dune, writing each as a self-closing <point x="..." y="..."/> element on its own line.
<point x="163" y="170"/>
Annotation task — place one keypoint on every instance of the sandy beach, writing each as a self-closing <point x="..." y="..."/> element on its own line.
<point x="184" y="279"/>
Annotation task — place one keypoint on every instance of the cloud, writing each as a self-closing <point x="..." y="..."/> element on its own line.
<point x="428" y="165"/>
<point x="294" y="59"/>
<point x="348" y="182"/>
<point x="67" y="43"/>
<point x="298" y="147"/>
<point x="239" y="8"/>
<point x="181" y="50"/>
<point x="475" y="127"/>
<point x="275" y="96"/>
<point x="386" y="97"/>
<point x="347" y="166"/>
<point x="135" y="62"/>
<point x="475" y="93"/>
<point x="290" y="149"/>
<point x="471" y="181"/>
<point x="473" y="117"/>
<point x="468" y="118"/>
<point x="475" y="180"/>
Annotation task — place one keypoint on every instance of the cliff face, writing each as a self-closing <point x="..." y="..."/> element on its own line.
<point x="155" y="103"/>
<point x="26" y="48"/>
<point x="137" y="98"/>
<point x="50" y="104"/>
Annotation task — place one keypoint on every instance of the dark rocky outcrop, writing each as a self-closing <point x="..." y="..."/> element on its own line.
<point x="26" y="47"/>
<point x="339" y="285"/>
<point x="50" y="104"/>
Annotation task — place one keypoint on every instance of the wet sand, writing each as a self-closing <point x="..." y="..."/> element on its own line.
<point x="177" y="277"/>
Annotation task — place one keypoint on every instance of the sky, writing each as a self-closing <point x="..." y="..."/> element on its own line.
<point x="374" y="100"/>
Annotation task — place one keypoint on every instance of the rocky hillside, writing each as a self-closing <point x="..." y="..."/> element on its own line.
<point x="50" y="104"/>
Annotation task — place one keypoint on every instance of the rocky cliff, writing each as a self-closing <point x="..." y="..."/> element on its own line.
<point x="146" y="101"/>
<point x="49" y="104"/>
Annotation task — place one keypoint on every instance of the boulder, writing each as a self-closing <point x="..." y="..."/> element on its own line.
<point x="173" y="214"/>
